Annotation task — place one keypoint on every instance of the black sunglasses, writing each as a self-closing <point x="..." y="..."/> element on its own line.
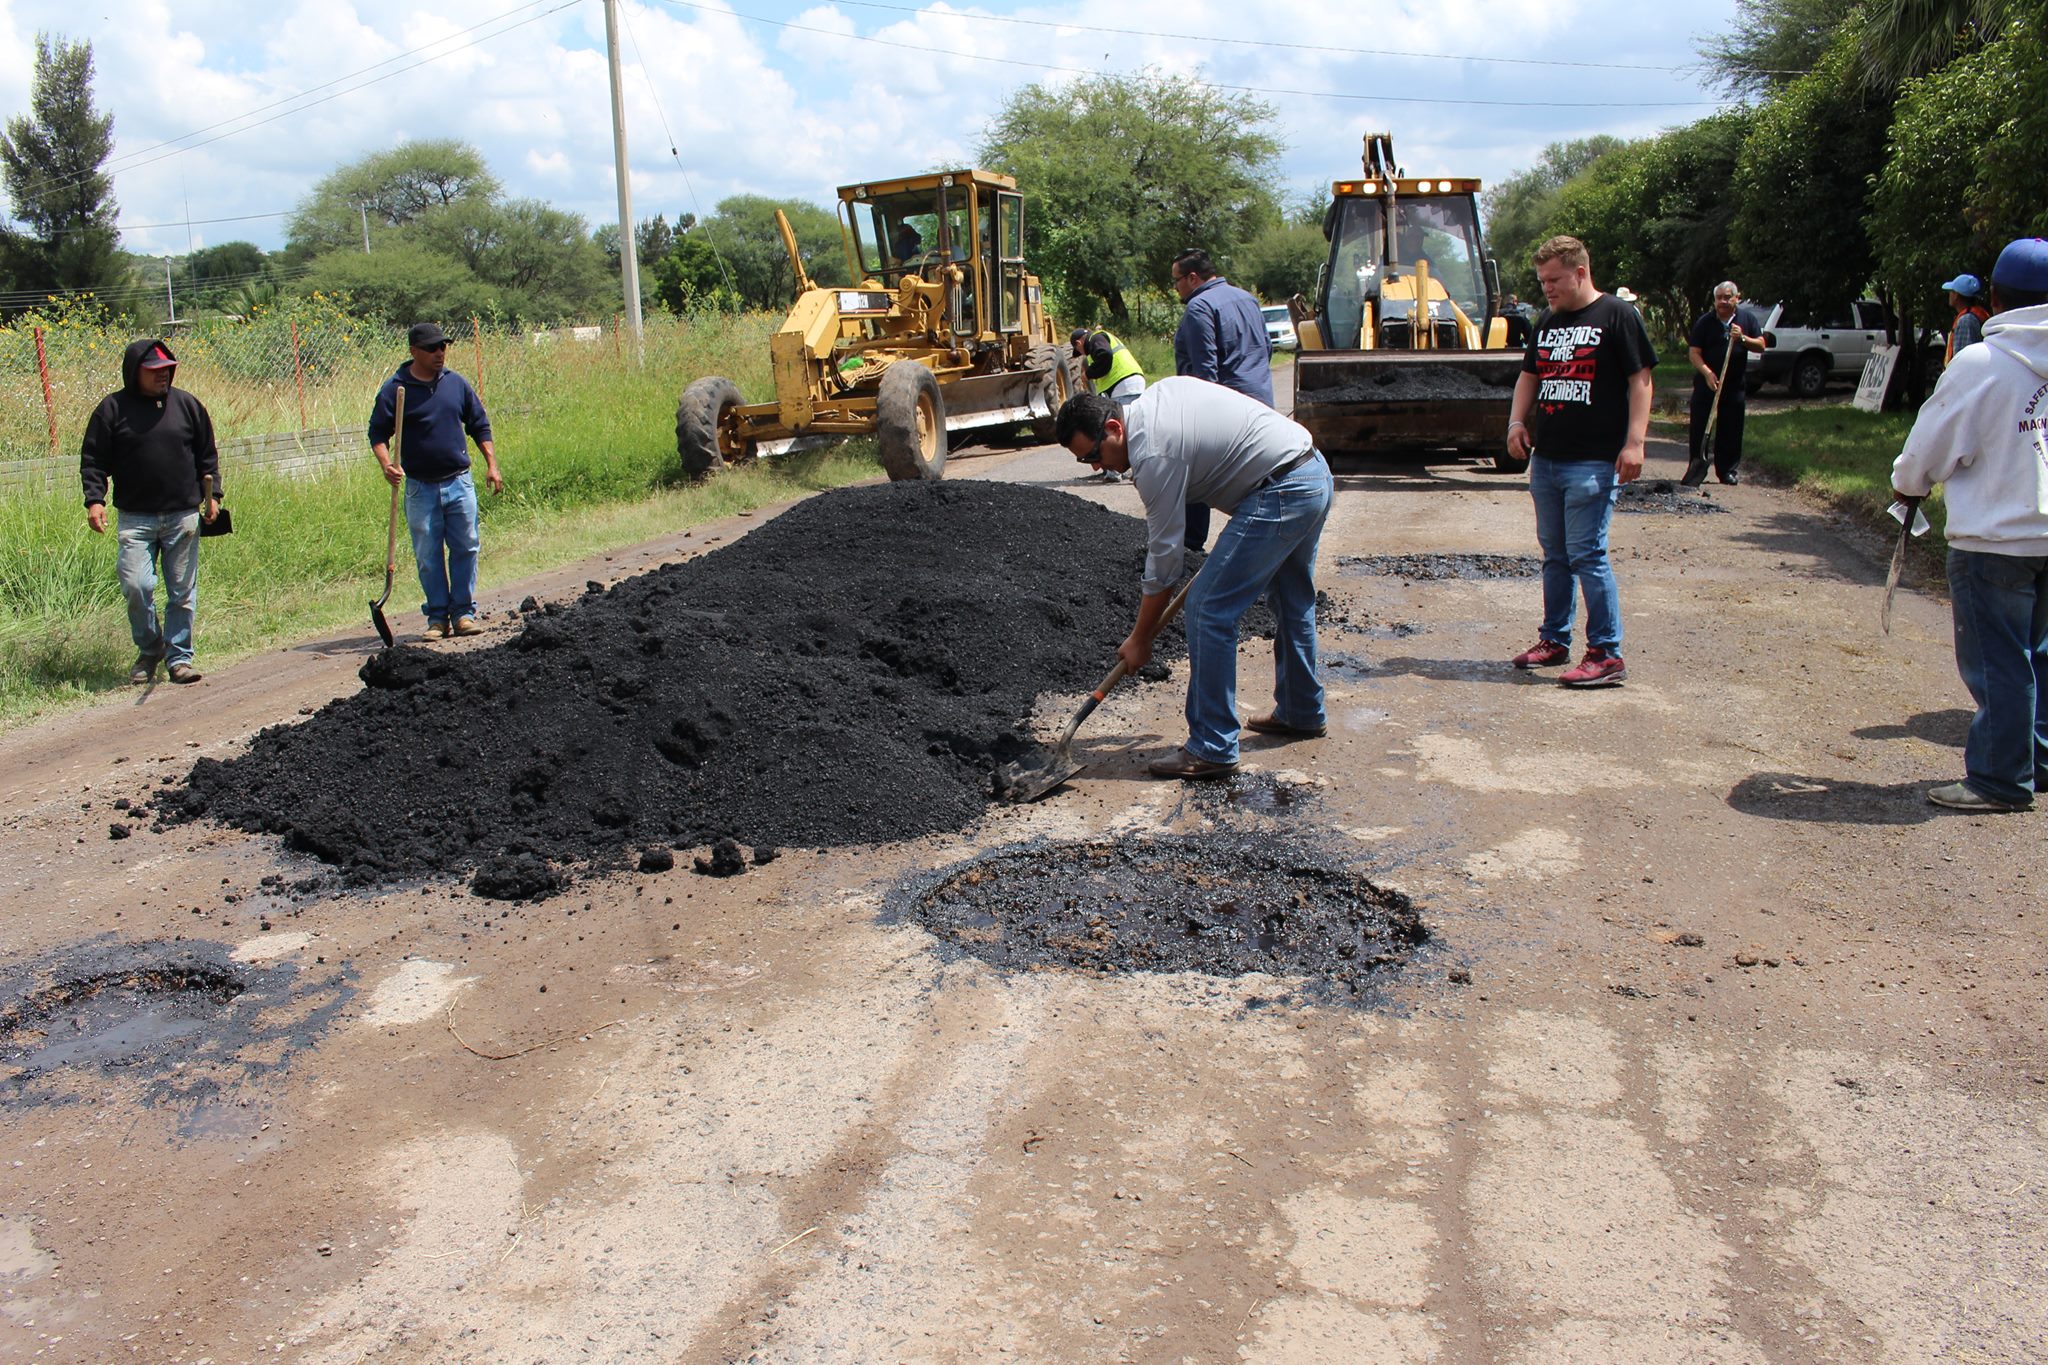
<point x="437" y="346"/>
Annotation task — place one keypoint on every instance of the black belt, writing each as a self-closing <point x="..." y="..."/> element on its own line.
<point x="1284" y="470"/>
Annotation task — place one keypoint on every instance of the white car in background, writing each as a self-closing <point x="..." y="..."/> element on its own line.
<point x="1280" y="328"/>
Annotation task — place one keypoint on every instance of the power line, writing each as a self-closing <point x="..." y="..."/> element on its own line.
<point x="710" y="237"/>
<point x="1265" y="42"/>
<point x="138" y="159"/>
<point x="926" y="50"/>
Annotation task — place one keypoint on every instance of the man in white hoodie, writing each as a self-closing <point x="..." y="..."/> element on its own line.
<point x="1984" y="437"/>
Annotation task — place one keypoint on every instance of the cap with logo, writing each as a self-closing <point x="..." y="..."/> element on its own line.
<point x="158" y="359"/>
<point x="2023" y="265"/>
<point x="426" y="334"/>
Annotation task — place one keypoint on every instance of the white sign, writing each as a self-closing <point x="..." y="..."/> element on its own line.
<point x="1877" y="377"/>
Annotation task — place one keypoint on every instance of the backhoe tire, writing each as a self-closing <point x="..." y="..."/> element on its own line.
<point x="697" y="419"/>
<point x="910" y="422"/>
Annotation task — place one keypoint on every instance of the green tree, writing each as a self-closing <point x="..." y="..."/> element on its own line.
<point x="396" y="188"/>
<point x="403" y="282"/>
<point x="1282" y="261"/>
<point x="1966" y="158"/>
<point x="744" y="233"/>
<point x="1802" y="183"/>
<point x="1122" y="172"/>
<point x="690" y="279"/>
<point x="540" y="262"/>
<point x="213" y="275"/>
<point x="50" y="161"/>
<point x="1519" y="210"/>
<point x="1773" y="43"/>
<point x="1908" y="38"/>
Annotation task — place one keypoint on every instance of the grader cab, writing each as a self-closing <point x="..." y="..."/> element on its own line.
<point x="945" y="332"/>
<point x="1403" y="349"/>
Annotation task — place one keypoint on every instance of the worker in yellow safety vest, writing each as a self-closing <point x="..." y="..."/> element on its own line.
<point x="1112" y="372"/>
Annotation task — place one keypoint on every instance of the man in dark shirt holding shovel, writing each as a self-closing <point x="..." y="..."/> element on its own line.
<point x="1719" y="348"/>
<point x="442" y="414"/>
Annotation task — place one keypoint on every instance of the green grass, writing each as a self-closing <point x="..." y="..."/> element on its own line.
<point x="586" y="440"/>
<point x="1840" y="455"/>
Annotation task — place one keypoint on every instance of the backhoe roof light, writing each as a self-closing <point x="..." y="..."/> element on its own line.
<point x="1355" y="187"/>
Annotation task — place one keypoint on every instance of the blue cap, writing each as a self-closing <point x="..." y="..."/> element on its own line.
<point x="1969" y="286"/>
<point x="2023" y="265"/>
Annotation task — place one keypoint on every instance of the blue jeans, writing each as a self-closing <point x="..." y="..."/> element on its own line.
<point x="2001" y="609"/>
<point x="147" y="540"/>
<point x="1268" y="546"/>
<point x="1574" y="504"/>
<point x="445" y="539"/>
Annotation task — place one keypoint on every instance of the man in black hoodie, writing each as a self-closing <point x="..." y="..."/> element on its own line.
<point x="155" y="443"/>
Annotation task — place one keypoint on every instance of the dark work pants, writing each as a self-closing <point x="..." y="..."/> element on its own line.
<point x="1727" y="452"/>
<point x="1197" y="537"/>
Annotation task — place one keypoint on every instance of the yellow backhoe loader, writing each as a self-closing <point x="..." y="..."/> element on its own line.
<point x="946" y="332"/>
<point x="1403" y="350"/>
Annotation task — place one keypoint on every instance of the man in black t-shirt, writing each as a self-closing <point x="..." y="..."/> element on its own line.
<point x="1581" y="414"/>
<point x="1729" y="324"/>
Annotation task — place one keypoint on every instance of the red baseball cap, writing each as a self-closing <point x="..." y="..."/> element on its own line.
<point x="158" y="359"/>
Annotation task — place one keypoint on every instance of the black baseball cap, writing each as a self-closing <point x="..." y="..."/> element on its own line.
<point x="426" y="334"/>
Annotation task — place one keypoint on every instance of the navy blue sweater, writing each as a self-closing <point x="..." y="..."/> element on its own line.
<point x="439" y="417"/>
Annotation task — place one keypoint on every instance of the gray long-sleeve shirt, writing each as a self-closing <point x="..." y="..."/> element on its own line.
<point x="1193" y="441"/>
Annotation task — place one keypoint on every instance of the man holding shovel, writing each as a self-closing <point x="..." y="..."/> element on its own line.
<point x="1187" y="440"/>
<point x="442" y="415"/>
<point x="1719" y="347"/>
<point x="1983" y="436"/>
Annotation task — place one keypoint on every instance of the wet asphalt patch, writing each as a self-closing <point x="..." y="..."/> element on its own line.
<point x="1220" y="903"/>
<point x="181" y="1021"/>
<point x="1665" y="496"/>
<point x="1436" y="568"/>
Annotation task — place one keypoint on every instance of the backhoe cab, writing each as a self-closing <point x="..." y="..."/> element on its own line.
<point x="946" y="332"/>
<point x="1402" y="350"/>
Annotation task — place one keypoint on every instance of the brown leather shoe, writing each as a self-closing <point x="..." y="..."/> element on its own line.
<point x="1182" y="764"/>
<point x="465" y="625"/>
<point x="185" y="673"/>
<point x="144" y="671"/>
<point x="1271" y="724"/>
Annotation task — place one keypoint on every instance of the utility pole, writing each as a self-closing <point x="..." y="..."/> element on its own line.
<point x="170" y="298"/>
<point x="629" y="246"/>
<point x="365" y="209"/>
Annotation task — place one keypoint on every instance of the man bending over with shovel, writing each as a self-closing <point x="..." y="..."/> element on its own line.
<point x="1187" y="440"/>
<point x="442" y="415"/>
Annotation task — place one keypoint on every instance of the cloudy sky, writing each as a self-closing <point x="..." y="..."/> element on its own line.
<point x="232" y="109"/>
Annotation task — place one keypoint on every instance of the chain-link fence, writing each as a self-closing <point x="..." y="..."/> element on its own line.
<point x="292" y="388"/>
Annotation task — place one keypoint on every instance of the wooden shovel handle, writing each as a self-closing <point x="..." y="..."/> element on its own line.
<point x="397" y="489"/>
<point x="1116" y="675"/>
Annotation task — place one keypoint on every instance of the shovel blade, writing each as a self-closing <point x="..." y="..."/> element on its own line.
<point x="1020" y="783"/>
<point x="383" y="626"/>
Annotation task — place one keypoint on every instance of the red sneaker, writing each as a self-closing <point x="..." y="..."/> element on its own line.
<point x="1542" y="655"/>
<point x="1600" y="668"/>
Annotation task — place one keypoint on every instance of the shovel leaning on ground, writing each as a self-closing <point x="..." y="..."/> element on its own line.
<point x="1696" y="465"/>
<point x="1909" y="512"/>
<point x="1020" y="782"/>
<point x="391" y="532"/>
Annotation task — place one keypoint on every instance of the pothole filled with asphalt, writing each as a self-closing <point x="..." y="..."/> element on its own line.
<point x="183" y="1020"/>
<point x="1435" y="568"/>
<point x="1666" y="496"/>
<point x="1221" y="903"/>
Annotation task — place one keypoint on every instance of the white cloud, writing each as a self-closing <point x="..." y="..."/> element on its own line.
<point x="752" y="107"/>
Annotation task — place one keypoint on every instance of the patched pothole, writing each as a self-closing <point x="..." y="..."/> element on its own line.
<point x="1221" y="903"/>
<point x="185" y="1020"/>
<point x="1665" y="496"/>
<point x="1435" y="568"/>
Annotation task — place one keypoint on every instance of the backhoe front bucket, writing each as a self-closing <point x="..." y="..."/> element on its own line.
<point x="1374" y="402"/>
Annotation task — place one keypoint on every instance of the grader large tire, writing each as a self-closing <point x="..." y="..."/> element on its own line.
<point x="910" y="422"/>
<point x="697" y="419"/>
<point x="1059" y="370"/>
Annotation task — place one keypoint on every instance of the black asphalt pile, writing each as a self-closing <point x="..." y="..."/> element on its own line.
<point x="1224" y="903"/>
<point x="1435" y="568"/>
<point x="1396" y="382"/>
<point x="851" y="672"/>
<point x="181" y="1021"/>
<point x="1664" y="496"/>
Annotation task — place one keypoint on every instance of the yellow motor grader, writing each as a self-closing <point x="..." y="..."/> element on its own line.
<point x="946" y="332"/>
<point x="1403" y="349"/>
